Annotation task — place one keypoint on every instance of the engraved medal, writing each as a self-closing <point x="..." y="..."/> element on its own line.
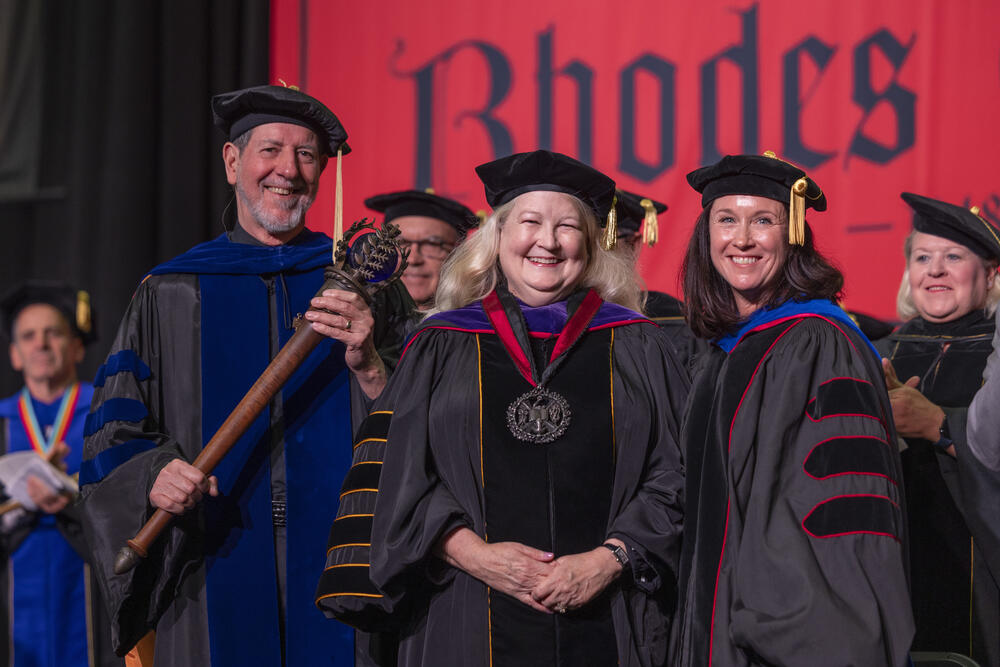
<point x="539" y="416"/>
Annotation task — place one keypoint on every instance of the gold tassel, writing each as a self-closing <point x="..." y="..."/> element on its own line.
<point x="797" y="213"/>
<point x="610" y="240"/>
<point x="482" y="215"/>
<point x="83" y="315"/>
<point x="650" y="224"/>
<point x="338" y="206"/>
<point x="978" y="212"/>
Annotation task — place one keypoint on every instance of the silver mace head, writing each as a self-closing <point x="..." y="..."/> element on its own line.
<point x="368" y="259"/>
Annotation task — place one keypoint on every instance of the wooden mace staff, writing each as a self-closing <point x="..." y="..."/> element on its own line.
<point x="239" y="420"/>
<point x="367" y="262"/>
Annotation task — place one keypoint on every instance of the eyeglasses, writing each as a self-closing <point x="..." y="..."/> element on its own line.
<point x="429" y="248"/>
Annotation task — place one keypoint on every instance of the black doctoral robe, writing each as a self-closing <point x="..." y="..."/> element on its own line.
<point x="956" y="599"/>
<point x="449" y="461"/>
<point x="794" y="527"/>
<point x="198" y="332"/>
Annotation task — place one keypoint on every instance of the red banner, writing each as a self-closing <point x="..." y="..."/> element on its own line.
<point x="871" y="98"/>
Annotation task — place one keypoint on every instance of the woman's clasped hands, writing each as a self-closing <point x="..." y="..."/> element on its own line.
<point x="532" y="576"/>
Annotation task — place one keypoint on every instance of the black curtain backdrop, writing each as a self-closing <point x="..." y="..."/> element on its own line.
<point x="109" y="163"/>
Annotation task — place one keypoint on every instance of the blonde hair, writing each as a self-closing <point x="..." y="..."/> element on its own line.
<point x="907" y="310"/>
<point x="472" y="271"/>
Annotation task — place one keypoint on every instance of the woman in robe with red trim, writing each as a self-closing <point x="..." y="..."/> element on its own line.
<point x="794" y="527"/>
<point x="934" y="364"/>
<point x="523" y="464"/>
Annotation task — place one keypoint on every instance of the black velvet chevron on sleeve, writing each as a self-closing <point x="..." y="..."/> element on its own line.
<point x="852" y="515"/>
<point x="345" y="591"/>
<point x="850" y="455"/>
<point x="842" y="397"/>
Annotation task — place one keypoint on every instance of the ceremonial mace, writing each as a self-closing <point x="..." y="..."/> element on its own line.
<point x="366" y="260"/>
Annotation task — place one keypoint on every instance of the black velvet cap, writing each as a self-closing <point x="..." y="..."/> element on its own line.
<point x="74" y="305"/>
<point x="416" y="202"/>
<point x="757" y="175"/>
<point x="631" y="213"/>
<point x="955" y="223"/>
<point x="236" y="112"/>
<point x="516" y="174"/>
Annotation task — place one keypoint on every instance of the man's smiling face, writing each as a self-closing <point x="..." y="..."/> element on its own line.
<point x="276" y="178"/>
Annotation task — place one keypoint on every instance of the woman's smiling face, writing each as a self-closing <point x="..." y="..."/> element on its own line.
<point x="543" y="247"/>
<point x="748" y="238"/>
<point x="947" y="280"/>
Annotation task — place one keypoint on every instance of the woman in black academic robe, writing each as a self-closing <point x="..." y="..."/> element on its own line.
<point x="528" y="503"/>
<point x="947" y="297"/>
<point x="793" y="523"/>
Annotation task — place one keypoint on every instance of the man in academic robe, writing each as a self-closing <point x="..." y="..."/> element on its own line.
<point x="199" y="331"/>
<point x="430" y="226"/>
<point x="48" y="604"/>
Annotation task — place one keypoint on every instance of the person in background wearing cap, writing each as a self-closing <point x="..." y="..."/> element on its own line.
<point x="933" y="366"/>
<point x="794" y="528"/>
<point x="199" y="331"/>
<point x="638" y="224"/>
<point x="532" y="517"/>
<point x="47" y="606"/>
<point x="431" y="226"/>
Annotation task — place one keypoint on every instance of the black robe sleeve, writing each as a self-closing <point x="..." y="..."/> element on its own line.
<point x="131" y="412"/>
<point x="651" y="374"/>
<point x="651" y="388"/>
<point x="819" y="570"/>
<point x="345" y="591"/>
<point x="420" y="507"/>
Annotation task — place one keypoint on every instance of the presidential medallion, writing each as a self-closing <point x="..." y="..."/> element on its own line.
<point x="539" y="416"/>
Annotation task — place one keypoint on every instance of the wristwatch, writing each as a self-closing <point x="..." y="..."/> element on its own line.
<point x="945" y="441"/>
<point x="620" y="554"/>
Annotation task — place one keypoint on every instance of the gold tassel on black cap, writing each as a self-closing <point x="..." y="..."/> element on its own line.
<point x="83" y="315"/>
<point x="976" y="211"/>
<point x="650" y="224"/>
<point x="796" y="206"/>
<point x="610" y="240"/>
<point x="797" y="213"/>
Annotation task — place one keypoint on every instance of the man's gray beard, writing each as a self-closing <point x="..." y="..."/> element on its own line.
<point x="265" y="220"/>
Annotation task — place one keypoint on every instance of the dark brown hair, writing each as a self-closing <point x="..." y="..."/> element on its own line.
<point x="709" y="306"/>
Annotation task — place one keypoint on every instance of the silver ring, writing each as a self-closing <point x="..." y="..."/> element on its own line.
<point x="347" y="327"/>
<point x="561" y="610"/>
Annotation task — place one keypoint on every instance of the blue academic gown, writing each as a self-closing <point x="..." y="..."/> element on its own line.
<point x="199" y="331"/>
<point x="48" y="602"/>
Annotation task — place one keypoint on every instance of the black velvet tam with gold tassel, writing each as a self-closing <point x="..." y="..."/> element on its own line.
<point x="761" y="176"/>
